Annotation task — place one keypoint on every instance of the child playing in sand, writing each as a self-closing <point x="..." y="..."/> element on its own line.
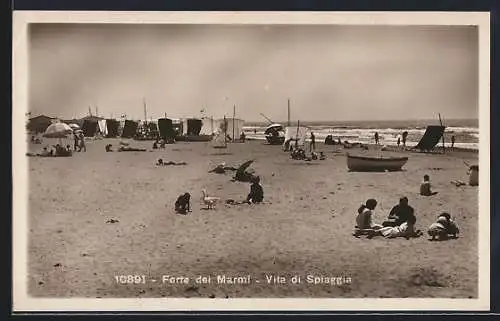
<point x="443" y="227"/>
<point x="425" y="187"/>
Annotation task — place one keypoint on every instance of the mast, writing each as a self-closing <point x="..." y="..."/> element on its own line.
<point x="145" y="110"/>
<point x="288" y="123"/>
<point x="443" y="131"/>
<point x="225" y="131"/>
<point x="234" y="114"/>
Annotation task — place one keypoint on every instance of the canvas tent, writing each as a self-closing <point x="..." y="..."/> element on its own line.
<point x="191" y="126"/>
<point x="219" y="139"/>
<point x="166" y="128"/>
<point x="431" y="138"/>
<point x="234" y="126"/>
<point x="297" y="132"/>
<point x="209" y="126"/>
<point x="89" y="127"/>
<point x="129" y="129"/>
<point x="112" y="128"/>
<point x="39" y="124"/>
<point x="103" y="129"/>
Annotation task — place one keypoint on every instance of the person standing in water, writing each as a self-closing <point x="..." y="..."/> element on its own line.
<point x="376" y="138"/>
<point x="452" y="141"/>
<point x="405" y="136"/>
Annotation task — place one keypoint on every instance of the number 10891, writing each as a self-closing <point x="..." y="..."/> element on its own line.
<point x="130" y="279"/>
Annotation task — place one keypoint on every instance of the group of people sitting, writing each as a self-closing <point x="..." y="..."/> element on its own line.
<point x="159" y="142"/>
<point x="300" y="154"/>
<point x="35" y="140"/>
<point x="56" y="151"/>
<point x="401" y="223"/>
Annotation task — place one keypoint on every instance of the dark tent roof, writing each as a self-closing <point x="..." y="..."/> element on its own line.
<point x="431" y="138"/>
<point x="39" y="124"/>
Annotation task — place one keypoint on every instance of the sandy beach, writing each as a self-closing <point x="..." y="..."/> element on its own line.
<point x="303" y="228"/>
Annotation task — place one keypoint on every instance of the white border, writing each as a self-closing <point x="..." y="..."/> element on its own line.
<point x="21" y="300"/>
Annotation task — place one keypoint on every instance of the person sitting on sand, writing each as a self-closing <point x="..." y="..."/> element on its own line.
<point x="405" y="229"/>
<point x="365" y="213"/>
<point x="44" y="152"/>
<point x="162" y="143"/>
<point x="314" y="156"/>
<point x="322" y="156"/>
<point x="443" y="227"/>
<point x="155" y="145"/>
<point x="108" y="148"/>
<point x="399" y="213"/>
<point x="256" y="194"/>
<point x="183" y="204"/>
<point x="425" y="187"/>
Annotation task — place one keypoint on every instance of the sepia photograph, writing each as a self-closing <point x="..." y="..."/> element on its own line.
<point x="239" y="157"/>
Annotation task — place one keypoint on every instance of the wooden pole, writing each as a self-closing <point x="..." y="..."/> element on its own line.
<point x="145" y="110"/>
<point x="234" y="115"/>
<point x="443" y="131"/>
<point x="288" y="123"/>
<point x="225" y="131"/>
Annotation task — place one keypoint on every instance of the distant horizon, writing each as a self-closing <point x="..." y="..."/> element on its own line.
<point x="282" y="121"/>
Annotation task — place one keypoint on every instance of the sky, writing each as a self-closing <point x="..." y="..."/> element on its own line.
<point x="329" y="72"/>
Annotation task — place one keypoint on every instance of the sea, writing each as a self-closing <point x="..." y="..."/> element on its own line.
<point x="466" y="131"/>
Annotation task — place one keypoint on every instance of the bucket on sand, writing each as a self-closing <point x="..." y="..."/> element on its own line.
<point x="473" y="175"/>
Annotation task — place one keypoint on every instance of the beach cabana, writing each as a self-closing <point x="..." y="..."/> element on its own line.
<point x="166" y="128"/>
<point x="234" y="127"/>
<point x="89" y="127"/>
<point x="191" y="126"/>
<point x="431" y="138"/>
<point x="112" y="128"/>
<point x="129" y="129"/>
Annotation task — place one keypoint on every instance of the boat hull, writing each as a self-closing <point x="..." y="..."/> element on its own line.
<point x="374" y="164"/>
<point x="275" y="140"/>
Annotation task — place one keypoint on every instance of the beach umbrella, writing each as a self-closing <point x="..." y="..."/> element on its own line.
<point x="273" y="127"/>
<point x="74" y="126"/>
<point x="58" y="130"/>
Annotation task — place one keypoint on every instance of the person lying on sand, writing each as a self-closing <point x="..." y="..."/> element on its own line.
<point x="161" y="163"/>
<point x="399" y="213"/>
<point x="183" y="204"/>
<point x="130" y="149"/>
<point x="364" y="224"/>
<point x="443" y="228"/>
<point x="405" y="229"/>
<point x="425" y="187"/>
<point x="256" y="194"/>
